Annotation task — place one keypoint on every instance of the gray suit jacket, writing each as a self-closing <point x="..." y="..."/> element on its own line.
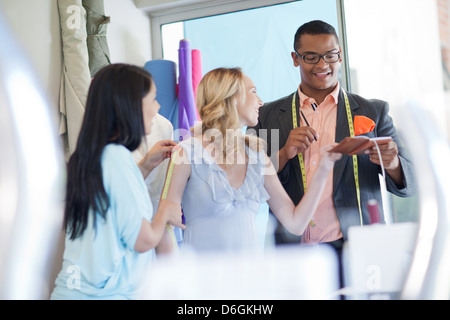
<point x="278" y="115"/>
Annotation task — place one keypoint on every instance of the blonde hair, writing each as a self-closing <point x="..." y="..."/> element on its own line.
<point x="218" y="93"/>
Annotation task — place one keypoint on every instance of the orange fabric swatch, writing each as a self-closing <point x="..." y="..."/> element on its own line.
<point x="363" y="125"/>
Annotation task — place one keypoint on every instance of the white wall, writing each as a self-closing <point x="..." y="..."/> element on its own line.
<point x="128" y="33"/>
<point x="36" y="26"/>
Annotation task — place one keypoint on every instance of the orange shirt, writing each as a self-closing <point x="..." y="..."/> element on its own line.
<point x="324" y="226"/>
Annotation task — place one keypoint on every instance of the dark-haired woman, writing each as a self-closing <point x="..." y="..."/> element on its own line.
<point x="109" y="222"/>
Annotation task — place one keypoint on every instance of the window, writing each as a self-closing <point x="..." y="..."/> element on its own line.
<point x="259" y="40"/>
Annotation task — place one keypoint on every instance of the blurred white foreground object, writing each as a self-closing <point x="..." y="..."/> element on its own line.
<point x="377" y="260"/>
<point x="429" y="272"/>
<point x="281" y="274"/>
<point x="31" y="179"/>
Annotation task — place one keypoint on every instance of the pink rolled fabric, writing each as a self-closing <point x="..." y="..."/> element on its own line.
<point x="196" y="73"/>
<point x="187" y="107"/>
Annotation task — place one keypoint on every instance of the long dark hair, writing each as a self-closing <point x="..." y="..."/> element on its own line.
<point x="113" y="115"/>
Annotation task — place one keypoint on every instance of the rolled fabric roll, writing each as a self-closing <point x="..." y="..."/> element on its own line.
<point x="164" y="74"/>
<point x="197" y="73"/>
<point x="187" y="113"/>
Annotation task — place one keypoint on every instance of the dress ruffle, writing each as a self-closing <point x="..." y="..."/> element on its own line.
<point x="216" y="178"/>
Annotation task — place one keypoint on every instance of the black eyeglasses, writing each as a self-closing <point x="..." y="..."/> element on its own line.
<point x="313" y="58"/>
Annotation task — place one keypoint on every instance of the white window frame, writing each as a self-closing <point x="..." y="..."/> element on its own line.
<point x="177" y="11"/>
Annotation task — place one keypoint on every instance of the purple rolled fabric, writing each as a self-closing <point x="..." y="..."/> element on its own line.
<point x="187" y="107"/>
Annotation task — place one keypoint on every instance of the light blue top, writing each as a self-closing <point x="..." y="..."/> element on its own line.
<point x="218" y="216"/>
<point x="102" y="264"/>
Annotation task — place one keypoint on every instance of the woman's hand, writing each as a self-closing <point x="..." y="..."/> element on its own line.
<point x="157" y="154"/>
<point x="172" y="213"/>
<point x="327" y="158"/>
<point x="151" y="233"/>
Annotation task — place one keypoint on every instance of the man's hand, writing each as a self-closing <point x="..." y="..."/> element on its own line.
<point x="391" y="162"/>
<point x="298" y="141"/>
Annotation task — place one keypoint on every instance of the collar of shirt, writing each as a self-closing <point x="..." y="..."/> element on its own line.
<point x="307" y="101"/>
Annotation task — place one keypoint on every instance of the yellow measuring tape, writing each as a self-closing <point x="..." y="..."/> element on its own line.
<point x="300" y="155"/>
<point x="354" y="157"/>
<point x="166" y="190"/>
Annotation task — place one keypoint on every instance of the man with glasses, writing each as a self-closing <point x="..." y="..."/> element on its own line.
<point x="320" y="112"/>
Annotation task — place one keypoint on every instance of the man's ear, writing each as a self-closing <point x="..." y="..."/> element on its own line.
<point x="295" y="59"/>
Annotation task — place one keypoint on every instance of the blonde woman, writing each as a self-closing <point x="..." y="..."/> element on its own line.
<point x="221" y="176"/>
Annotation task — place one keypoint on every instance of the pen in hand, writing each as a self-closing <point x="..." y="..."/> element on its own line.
<point x="306" y="121"/>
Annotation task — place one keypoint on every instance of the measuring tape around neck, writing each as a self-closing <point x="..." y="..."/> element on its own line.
<point x="300" y="155"/>
<point x="354" y="157"/>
